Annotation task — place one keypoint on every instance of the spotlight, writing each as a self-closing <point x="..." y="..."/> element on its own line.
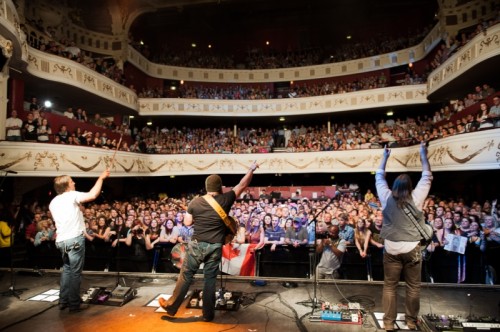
<point x="149" y="123"/>
<point x="47" y="104"/>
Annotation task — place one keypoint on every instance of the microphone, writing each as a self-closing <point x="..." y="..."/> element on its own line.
<point x="11" y="172"/>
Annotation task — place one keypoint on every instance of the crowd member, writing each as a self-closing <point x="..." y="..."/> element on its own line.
<point x="65" y="209"/>
<point x="402" y="255"/>
<point x="6" y="230"/>
<point x="30" y="128"/>
<point x="332" y="249"/>
<point x="362" y="237"/>
<point x="206" y="244"/>
<point x="297" y="234"/>
<point x="13" y="127"/>
<point x="44" y="131"/>
<point x="494" y="113"/>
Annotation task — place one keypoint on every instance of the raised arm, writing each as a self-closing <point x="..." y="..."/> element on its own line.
<point x="245" y="181"/>
<point x="96" y="189"/>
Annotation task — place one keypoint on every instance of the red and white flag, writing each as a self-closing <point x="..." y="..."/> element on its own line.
<point x="238" y="259"/>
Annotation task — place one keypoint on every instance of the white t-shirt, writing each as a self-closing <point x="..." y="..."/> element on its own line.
<point x="65" y="209"/>
<point x="12" y="122"/>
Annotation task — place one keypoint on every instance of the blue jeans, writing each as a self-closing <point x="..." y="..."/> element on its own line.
<point x="410" y="265"/>
<point x="198" y="252"/>
<point x="73" y="255"/>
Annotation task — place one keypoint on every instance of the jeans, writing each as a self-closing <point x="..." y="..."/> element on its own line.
<point x="197" y="253"/>
<point x="73" y="255"/>
<point x="410" y="264"/>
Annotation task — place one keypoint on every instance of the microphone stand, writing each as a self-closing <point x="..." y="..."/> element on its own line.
<point x="313" y="254"/>
<point x="118" y="237"/>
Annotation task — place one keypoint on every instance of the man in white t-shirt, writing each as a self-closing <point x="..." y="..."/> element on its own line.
<point x="70" y="225"/>
<point x="13" y="127"/>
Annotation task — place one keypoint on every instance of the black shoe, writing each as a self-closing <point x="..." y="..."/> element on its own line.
<point x="208" y="319"/>
<point x="63" y="306"/>
<point x="79" y="309"/>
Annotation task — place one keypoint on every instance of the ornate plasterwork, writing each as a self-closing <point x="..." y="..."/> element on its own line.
<point x="391" y="96"/>
<point x="481" y="47"/>
<point x="62" y="70"/>
<point x="6" y="46"/>
<point x="474" y="151"/>
<point x="374" y="63"/>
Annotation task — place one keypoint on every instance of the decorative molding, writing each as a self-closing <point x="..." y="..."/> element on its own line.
<point x="384" y="97"/>
<point x="480" y="48"/>
<point x="466" y="152"/>
<point x="6" y="46"/>
<point x="54" y="68"/>
<point x="378" y="62"/>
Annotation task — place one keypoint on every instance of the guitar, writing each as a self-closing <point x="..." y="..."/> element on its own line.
<point x="231" y="229"/>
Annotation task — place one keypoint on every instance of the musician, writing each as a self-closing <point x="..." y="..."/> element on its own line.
<point x="206" y="243"/>
<point x="402" y="254"/>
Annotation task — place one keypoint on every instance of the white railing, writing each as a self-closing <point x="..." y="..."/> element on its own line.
<point x="466" y="152"/>
<point x="55" y="68"/>
<point x="382" y="61"/>
<point x="384" y="97"/>
<point x="481" y="48"/>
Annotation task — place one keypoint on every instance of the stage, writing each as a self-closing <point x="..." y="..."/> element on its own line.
<point x="278" y="305"/>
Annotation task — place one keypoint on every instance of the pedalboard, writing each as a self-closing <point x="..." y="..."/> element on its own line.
<point x="339" y="313"/>
<point x="116" y="296"/>
<point x="225" y="300"/>
<point x="440" y="323"/>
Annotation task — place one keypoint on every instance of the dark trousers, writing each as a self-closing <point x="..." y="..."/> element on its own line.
<point x="410" y="264"/>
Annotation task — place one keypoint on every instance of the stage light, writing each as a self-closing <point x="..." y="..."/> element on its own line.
<point x="282" y="118"/>
<point x="141" y="42"/>
<point x="209" y="45"/>
<point x="173" y="88"/>
<point x="47" y="104"/>
<point x="182" y="82"/>
<point x="193" y="45"/>
<point x="149" y="123"/>
<point x="348" y="37"/>
<point x="410" y="64"/>
<point x="390" y="113"/>
<point x="131" y="116"/>
<point x="267" y="42"/>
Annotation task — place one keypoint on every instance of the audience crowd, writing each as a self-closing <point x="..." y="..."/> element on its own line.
<point x="269" y="58"/>
<point x="136" y="226"/>
<point x="453" y="118"/>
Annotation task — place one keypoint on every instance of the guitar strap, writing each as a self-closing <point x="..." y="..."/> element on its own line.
<point x="220" y="211"/>
<point x="412" y="217"/>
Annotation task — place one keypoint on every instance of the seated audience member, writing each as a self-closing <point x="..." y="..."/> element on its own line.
<point x="69" y="113"/>
<point x="494" y="114"/>
<point x="483" y="117"/>
<point x="63" y="134"/>
<point x="44" y="131"/>
<point x="332" y="249"/>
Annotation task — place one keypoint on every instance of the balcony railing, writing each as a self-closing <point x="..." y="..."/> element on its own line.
<point x="472" y="151"/>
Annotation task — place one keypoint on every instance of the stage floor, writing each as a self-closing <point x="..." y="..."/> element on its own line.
<point x="272" y="307"/>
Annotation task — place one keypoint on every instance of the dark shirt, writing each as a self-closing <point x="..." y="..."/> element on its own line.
<point x="208" y="226"/>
